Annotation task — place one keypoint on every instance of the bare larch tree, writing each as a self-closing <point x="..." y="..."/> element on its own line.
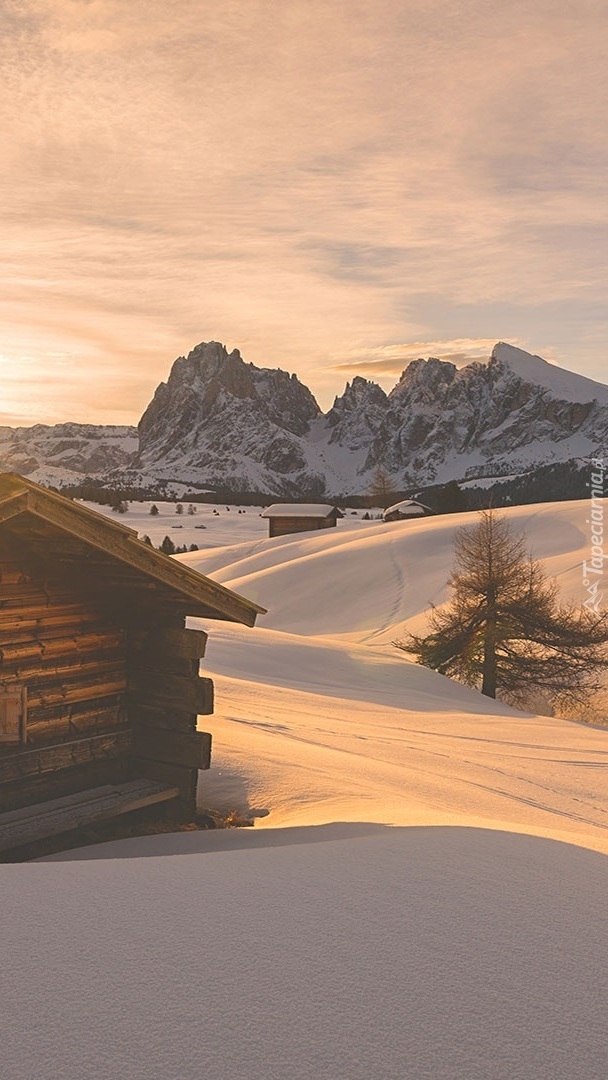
<point x="504" y="629"/>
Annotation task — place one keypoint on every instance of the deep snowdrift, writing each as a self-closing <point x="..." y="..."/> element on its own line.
<point x="346" y="951"/>
<point x="342" y="952"/>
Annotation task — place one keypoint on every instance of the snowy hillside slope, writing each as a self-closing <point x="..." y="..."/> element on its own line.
<point x="374" y="576"/>
<point x="323" y="943"/>
<point x="319" y="718"/>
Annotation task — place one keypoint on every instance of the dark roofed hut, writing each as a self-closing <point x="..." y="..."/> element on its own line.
<point x="285" y="518"/>
<point x="99" y="684"/>
<point x="409" y="508"/>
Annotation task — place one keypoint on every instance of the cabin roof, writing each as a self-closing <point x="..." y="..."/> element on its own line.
<point x="411" y="506"/>
<point x="308" y="510"/>
<point x="77" y="537"/>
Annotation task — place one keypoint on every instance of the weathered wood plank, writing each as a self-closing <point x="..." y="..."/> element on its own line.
<point x="32" y="593"/>
<point x="68" y="709"/>
<point x="162" y="717"/>
<point x="57" y="784"/>
<point x="45" y="617"/>
<point x="59" y="694"/>
<point x="64" y="669"/>
<point x="191" y="749"/>
<point x="11" y="574"/>
<point x="54" y="724"/>
<point x="68" y="645"/>
<point x="27" y="763"/>
<point x="21" y="827"/>
<point x="54" y="631"/>
<point x="16" y="504"/>
<point x="168" y="665"/>
<point x="175" y="641"/>
<point x="185" y="693"/>
<point x="184" y="779"/>
<point x="13" y="716"/>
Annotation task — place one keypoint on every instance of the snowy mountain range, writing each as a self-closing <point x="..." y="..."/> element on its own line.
<point x="221" y="422"/>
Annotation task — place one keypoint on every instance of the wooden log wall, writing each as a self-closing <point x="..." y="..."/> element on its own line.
<point x="108" y="698"/>
<point x="285" y="526"/>
<point x="71" y="657"/>
<point x="165" y="696"/>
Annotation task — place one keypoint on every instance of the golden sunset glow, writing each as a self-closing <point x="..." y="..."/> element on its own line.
<point x="323" y="185"/>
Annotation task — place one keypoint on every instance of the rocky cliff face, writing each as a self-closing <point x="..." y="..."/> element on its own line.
<point x="230" y="424"/>
<point x="219" y="421"/>
<point x="511" y="414"/>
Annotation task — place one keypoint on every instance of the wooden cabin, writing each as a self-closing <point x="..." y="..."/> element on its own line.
<point x="284" y="518"/>
<point x="99" y="683"/>
<point x="403" y="511"/>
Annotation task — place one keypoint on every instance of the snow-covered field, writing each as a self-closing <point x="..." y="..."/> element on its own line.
<point x="208" y="526"/>
<point x="466" y="942"/>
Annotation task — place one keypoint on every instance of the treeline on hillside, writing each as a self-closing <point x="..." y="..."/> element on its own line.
<point x="550" y="483"/>
<point x="95" y="491"/>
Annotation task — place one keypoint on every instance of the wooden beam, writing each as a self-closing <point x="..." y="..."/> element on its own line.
<point x="113" y="683"/>
<point x="183" y="778"/>
<point x="44" y="617"/>
<point x="175" y="640"/>
<point x="20" y="827"/>
<point x="63" y="722"/>
<point x="68" y="710"/>
<point x="54" y="785"/>
<point x="65" y="670"/>
<point x="189" y="694"/>
<point x="70" y="645"/>
<point x="191" y="749"/>
<point x="12" y="507"/>
<point x="162" y="717"/>
<point x="66" y="755"/>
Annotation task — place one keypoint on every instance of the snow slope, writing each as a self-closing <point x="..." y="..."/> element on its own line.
<point x="337" y="948"/>
<point x="318" y="718"/>
<point x="331" y="953"/>
<point x="562" y="384"/>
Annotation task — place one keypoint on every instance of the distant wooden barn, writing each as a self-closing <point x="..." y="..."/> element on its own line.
<point x="284" y="518"/>
<point x="409" y="508"/>
<point x="99" y="684"/>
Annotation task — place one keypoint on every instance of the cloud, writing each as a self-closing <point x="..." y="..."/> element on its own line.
<point x="297" y="177"/>
<point x="391" y="359"/>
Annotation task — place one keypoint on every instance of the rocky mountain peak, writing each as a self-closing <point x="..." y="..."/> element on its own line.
<point x="357" y="394"/>
<point x="215" y="410"/>
<point x="211" y="362"/>
<point x="557" y="382"/>
<point x="429" y="377"/>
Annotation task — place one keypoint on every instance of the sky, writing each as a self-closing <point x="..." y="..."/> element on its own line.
<point x="333" y="187"/>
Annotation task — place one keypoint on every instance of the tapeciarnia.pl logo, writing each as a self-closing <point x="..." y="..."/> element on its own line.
<point x="593" y="569"/>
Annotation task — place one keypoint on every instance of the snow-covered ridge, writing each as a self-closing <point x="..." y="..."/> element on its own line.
<point x="57" y="454"/>
<point x="561" y="384"/>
